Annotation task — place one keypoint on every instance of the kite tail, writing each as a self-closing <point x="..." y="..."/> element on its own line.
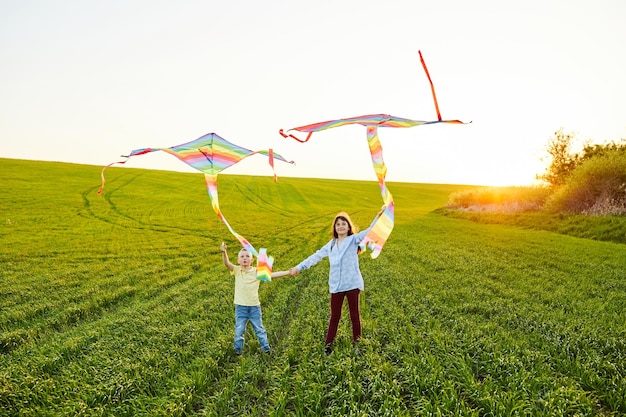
<point x="264" y="262"/>
<point x="102" y="175"/>
<point x="270" y="156"/>
<point x="103" y="169"/>
<point x="432" y="86"/>
<point x="264" y="266"/>
<point x="211" y="184"/>
<point x="380" y="231"/>
<point x="133" y="153"/>
<point x="273" y="156"/>
<point x="283" y="134"/>
<point x="378" y="235"/>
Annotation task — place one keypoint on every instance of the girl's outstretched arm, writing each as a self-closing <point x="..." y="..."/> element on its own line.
<point x="278" y="274"/>
<point x="362" y="233"/>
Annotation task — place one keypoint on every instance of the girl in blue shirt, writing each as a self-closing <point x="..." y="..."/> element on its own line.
<point x="344" y="280"/>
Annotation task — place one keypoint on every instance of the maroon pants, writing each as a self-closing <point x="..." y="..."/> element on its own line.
<point x="336" y="303"/>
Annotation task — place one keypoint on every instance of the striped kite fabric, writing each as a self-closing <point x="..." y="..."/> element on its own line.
<point x="212" y="154"/>
<point x="380" y="232"/>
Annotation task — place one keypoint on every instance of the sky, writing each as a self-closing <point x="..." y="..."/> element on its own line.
<point x="86" y="81"/>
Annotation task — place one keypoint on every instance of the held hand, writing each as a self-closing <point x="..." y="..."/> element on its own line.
<point x="293" y="272"/>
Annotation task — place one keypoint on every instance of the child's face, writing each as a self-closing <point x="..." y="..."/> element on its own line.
<point x="244" y="259"/>
<point x="342" y="227"/>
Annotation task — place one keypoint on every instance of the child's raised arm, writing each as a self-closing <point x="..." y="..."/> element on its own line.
<point x="225" y="259"/>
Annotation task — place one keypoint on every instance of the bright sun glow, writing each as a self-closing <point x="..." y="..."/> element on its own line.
<point x="512" y="172"/>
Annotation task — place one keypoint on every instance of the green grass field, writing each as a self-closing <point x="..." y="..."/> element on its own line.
<point x="119" y="305"/>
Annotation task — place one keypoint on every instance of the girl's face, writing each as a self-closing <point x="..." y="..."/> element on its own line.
<point x="342" y="227"/>
<point x="244" y="259"/>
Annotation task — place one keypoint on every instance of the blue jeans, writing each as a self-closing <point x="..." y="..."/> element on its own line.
<point x="243" y="314"/>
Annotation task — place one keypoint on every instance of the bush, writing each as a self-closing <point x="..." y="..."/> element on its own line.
<point x="597" y="186"/>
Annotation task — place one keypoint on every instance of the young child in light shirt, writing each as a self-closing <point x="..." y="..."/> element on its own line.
<point x="247" y="304"/>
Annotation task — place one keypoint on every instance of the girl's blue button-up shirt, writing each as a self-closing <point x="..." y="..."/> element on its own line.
<point x="345" y="274"/>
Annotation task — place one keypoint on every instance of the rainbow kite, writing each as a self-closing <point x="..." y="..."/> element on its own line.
<point x="381" y="230"/>
<point x="211" y="154"/>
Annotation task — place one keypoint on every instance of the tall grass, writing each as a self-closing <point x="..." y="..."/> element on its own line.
<point x="119" y="305"/>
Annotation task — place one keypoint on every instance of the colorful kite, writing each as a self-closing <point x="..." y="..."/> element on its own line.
<point x="381" y="230"/>
<point x="211" y="154"/>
